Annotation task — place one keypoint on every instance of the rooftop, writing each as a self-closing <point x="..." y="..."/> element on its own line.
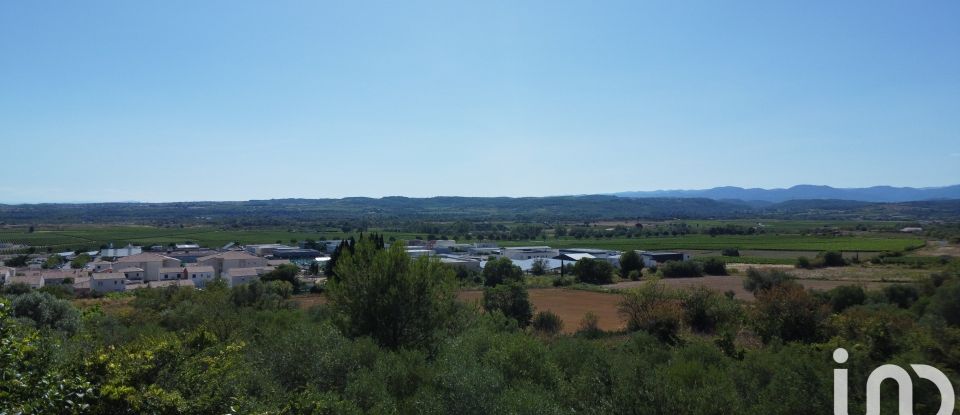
<point x="229" y="255"/>
<point x="145" y="257"/>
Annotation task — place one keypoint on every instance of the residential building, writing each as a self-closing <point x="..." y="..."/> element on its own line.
<point x="190" y="256"/>
<point x="61" y="276"/>
<point x="199" y="274"/>
<point x="225" y="261"/>
<point x="130" y="273"/>
<point x="148" y="262"/>
<point x="100" y="265"/>
<point x="238" y="276"/>
<point x="104" y="282"/>
<point x="34" y="280"/>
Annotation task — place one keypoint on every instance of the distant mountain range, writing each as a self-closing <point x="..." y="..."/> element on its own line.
<point x="879" y="194"/>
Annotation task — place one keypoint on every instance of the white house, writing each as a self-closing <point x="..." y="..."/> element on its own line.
<point x="130" y="273"/>
<point x="199" y="274"/>
<point x="148" y="262"/>
<point x="238" y="276"/>
<point x="105" y="282"/>
<point x="225" y="261"/>
<point x="100" y="265"/>
<point x="35" y="281"/>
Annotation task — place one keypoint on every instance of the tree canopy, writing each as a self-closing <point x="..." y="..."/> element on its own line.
<point x="385" y="295"/>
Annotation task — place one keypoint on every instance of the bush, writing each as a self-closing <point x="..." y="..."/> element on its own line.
<point x="510" y="299"/>
<point x="714" y="266"/>
<point x="901" y="295"/>
<point x="789" y="313"/>
<point x="64" y="291"/>
<point x="589" y="326"/>
<point x="17" y="261"/>
<point x="682" y="269"/>
<point x="593" y="271"/>
<point x="706" y="311"/>
<point x="538" y="267"/>
<point x="846" y="296"/>
<point x="761" y="280"/>
<point x="284" y="272"/>
<point x="832" y="259"/>
<point x="803" y="263"/>
<point x="547" y="322"/>
<point x="652" y="309"/>
<point x="46" y="311"/>
<point x="563" y="281"/>
<point x="634" y="275"/>
<point x="945" y="302"/>
<point x="16" y="288"/>
<point x="498" y="271"/>
<point x="398" y="302"/>
<point x="730" y="252"/>
<point x="630" y="262"/>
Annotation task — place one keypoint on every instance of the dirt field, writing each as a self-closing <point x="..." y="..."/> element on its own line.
<point x="735" y="283"/>
<point x="306" y="301"/>
<point x="570" y="305"/>
<point x="939" y="248"/>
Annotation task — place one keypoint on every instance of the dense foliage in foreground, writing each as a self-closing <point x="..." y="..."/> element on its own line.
<point x="248" y="350"/>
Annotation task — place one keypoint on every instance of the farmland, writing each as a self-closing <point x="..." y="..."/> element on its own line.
<point x="784" y="242"/>
<point x="570" y="305"/>
<point x="92" y="237"/>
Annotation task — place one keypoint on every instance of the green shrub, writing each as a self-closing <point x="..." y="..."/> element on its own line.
<point x="46" y="311"/>
<point x="593" y="271"/>
<point x="714" y="266"/>
<point x="764" y="279"/>
<point x="501" y="270"/>
<point x="682" y="269"/>
<point x="730" y="252"/>
<point x="510" y="299"/>
<point x="846" y="296"/>
<point x="547" y="322"/>
<point x="832" y="259"/>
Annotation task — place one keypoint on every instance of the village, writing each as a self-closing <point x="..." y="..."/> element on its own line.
<point x="190" y="265"/>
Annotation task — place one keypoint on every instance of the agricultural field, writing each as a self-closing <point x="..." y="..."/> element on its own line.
<point x="80" y="238"/>
<point x="774" y="225"/>
<point x="764" y="242"/>
<point x="571" y="305"/>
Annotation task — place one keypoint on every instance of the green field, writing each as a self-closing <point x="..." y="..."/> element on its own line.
<point x="71" y="238"/>
<point x="753" y="242"/>
<point x="92" y="237"/>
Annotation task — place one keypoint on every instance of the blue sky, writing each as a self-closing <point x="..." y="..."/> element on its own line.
<point x="232" y="100"/>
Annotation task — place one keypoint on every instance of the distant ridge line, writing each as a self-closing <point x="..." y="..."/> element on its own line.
<point x="877" y="194"/>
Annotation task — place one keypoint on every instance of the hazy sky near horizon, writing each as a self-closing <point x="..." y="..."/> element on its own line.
<point x="235" y="100"/>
